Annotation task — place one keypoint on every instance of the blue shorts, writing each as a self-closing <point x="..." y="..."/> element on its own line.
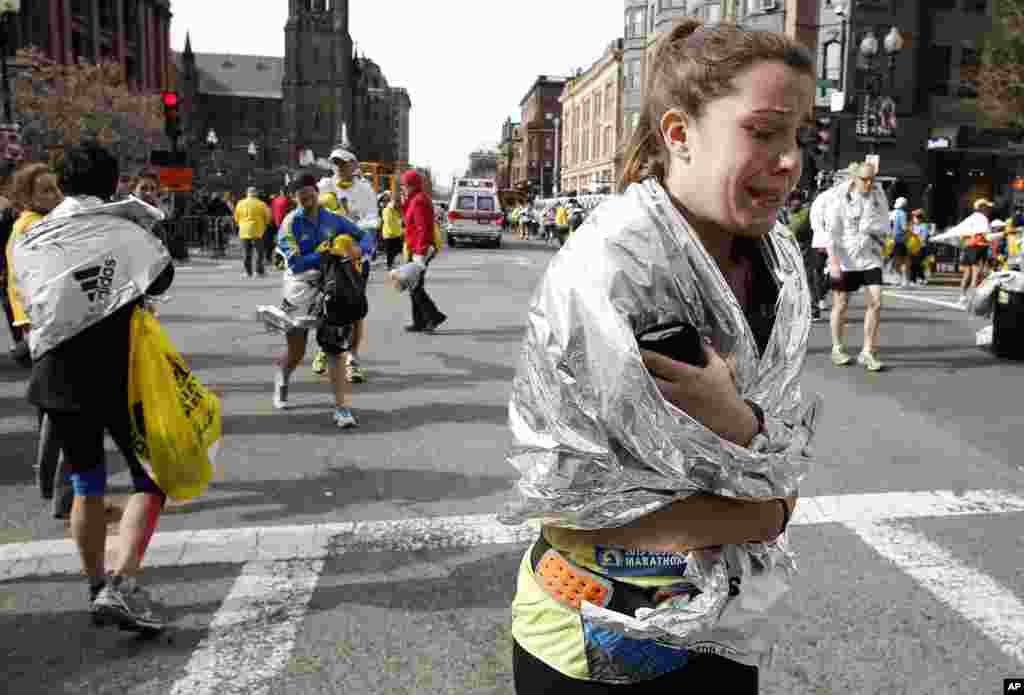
<point x="81" y="438"/>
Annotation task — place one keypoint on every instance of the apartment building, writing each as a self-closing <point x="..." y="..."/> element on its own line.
<point x="591" y="129"/>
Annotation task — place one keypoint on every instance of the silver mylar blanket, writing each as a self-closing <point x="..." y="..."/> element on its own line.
<point x="83" y="262"/>
<point x="595" y="442"/>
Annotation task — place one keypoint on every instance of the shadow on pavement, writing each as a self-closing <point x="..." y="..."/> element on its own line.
<point x="486" y="583"/>
<point x="51" y="650"/>
<point x="501" y="335"/>
<point x="349" y="485"/>
<point x="204" y="318"/>
<point x="16" y="458"/>
<point x="396" y="420"/>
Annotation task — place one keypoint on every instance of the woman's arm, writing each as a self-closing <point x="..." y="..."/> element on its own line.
<point x="699" y="521"/>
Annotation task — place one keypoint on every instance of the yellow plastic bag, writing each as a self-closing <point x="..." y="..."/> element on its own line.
<point x="176" y="421"/>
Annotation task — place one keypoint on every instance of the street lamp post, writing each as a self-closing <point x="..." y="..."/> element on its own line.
<point x="252" y="159"/>
<point x="8" y="8"/>
<point x="558" y="151"/>
<point x="892" y="44"/>
<point x="211" y="142"/>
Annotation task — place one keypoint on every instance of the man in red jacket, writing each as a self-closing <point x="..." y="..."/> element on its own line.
<point x="418" y="213"/>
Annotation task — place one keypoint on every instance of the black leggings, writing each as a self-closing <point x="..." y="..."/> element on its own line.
<point x="703" y="674"/>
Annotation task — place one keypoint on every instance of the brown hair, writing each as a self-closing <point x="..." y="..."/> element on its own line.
<point x="694" y="65"/>
<point x="23" y="183"/>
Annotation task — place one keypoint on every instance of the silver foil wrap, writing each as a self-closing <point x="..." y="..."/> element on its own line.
<point x="596" y="444"/>
<point x="83" y="262"/>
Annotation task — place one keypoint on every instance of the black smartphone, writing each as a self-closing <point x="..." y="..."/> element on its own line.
<point x="680" y="341"/>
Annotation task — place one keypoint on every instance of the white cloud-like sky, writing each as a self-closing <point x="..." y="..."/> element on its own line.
<point x="466" y="64"/>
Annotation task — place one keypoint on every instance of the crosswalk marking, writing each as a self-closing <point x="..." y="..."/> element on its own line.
<point x="923" y="300"/>
<point x="241" y="545"/>
<point x="991" y="608"/>
<point x="251" y="637"/>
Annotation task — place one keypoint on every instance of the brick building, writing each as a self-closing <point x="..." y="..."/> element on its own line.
<point x="135" y="33"/>
<point x="286" y="106"/>
<point x="534" y="164"/>
<point x="591" y="129"/>
<point x="508" y="153"/>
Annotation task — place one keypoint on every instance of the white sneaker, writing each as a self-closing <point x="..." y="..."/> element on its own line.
<point x="345" y="419"/>
<point x="280" y="392"/>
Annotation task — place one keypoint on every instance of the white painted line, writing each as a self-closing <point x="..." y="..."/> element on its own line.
<point x="991" y="608"/>
<point x="317" y="541"/>
<point x="924" y="300"/>
<point x="250" y="638"/>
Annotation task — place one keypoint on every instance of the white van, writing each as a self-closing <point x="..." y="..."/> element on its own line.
<point x="474" y="213"/>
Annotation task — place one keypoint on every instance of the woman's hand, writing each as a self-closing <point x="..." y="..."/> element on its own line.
<point x="707" y="394"/>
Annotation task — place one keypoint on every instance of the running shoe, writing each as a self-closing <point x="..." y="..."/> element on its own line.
<point x="870" y="362"/>
<point x="320" y="363"/>
<point x="280" y="392"/>
<point x="124" y="603"/>
<point x="345" y="419"/>
<point x="840" y="357"/>
<point x="354" y="373"/>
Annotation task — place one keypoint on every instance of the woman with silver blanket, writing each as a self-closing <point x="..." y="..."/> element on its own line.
<point x="665" y="477"/>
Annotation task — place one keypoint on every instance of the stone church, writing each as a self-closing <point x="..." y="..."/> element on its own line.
<point x="286" y="106"/>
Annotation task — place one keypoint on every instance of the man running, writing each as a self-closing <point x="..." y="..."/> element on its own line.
<point x="304" y="234"/>
<point x="858" y="220"/>
<point x="357" y="202"/>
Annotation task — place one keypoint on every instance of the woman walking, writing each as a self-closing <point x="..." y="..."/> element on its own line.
<point x="418" y="212"/>
<point x="687" y="260"/>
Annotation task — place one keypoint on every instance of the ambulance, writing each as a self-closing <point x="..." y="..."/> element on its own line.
<point x="474" y="213"/>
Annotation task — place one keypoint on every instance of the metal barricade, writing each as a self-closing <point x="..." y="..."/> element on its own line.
<point x="201" y="234"/>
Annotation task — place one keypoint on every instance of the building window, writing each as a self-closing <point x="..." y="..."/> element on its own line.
<point x="586" y="112"/>
<point x="609" y="100"/>
<point x="943" y="4"/>
<point x="597" y="143"/>
<point x="597" y="106"/>
<point x="548" y="142"/>
<point x="833" y="61"/>
<point x="969" y="62"/>
<point x="978" y="6"/>
<point x="939" y="62"/>
<point x="586" y="146"/>
<point x="635" y="24"/>
<point x="607" y="141"/>
<point x="633" y="73"/>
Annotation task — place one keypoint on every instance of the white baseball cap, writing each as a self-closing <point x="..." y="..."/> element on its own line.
<point x="342" y="154"/>
<point x="901" y="202"/>
<point x="997" y="224"/>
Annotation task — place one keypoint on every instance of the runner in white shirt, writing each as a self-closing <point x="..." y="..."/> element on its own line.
<point x="857" y="223"/>
<point x="357" y="202"/>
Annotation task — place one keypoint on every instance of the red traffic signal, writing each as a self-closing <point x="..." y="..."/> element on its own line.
<point x="170" y="101"/>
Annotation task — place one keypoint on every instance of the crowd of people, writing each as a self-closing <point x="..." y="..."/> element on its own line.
<point x="319" y="223"/>
<point x="553" y="221"/>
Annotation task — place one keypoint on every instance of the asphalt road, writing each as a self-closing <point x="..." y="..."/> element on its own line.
<point x="370" y="593"/>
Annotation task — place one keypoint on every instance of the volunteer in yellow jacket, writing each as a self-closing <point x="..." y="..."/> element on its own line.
<point x="252" y="216"/>
<point x="393" y="235"/>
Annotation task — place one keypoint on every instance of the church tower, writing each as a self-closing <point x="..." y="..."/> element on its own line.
<point x="317" y="85"/>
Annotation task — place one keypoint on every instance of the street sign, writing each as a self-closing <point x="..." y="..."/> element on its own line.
<point x="176" y="179"/>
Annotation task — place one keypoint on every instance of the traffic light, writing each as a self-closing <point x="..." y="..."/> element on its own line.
<point x="171" y="125"/>
<point x="822" y="135"/>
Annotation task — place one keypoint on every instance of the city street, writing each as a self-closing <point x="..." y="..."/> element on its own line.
<point x="370" y="561"/>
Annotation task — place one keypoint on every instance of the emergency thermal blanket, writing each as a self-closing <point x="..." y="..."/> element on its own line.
<point x="83" y="262"/>
<point x="596" y="443"/>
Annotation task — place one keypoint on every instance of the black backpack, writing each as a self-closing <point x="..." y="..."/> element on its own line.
<point x="344" y="295"/>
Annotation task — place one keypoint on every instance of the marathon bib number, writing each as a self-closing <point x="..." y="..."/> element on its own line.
<point x="625" y="562"/>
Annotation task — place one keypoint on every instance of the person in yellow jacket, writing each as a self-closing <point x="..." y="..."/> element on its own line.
<point x="392" y="232"/>
<point x="252" y="216"/>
